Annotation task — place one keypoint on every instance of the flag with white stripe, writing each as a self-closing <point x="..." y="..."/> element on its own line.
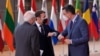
<point x="21" y="11"/>
<point x="53" y="20"/>
<point x="33" y="5"/>
<point x="44" y="7"/>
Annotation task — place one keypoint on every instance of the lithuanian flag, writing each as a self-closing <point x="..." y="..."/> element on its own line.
<point x="8" y="26"/>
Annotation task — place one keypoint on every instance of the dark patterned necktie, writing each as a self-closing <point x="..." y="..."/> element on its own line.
<point x="71" y="25"/>
<point x="42" y="29"/>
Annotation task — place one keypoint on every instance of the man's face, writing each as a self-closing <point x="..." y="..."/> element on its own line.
<point x="32" y="20"/>
<point x="42" y="17"/>
<point x="67" y="14"/>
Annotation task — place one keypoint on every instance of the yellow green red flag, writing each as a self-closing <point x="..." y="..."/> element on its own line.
<point x="8" y="26"/>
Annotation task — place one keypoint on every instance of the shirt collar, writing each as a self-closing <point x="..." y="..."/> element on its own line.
<point x="37" y="24"/>
<point x="73" y="20"/>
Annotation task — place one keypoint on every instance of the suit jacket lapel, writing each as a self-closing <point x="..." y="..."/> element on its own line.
<point x="36" y="27"/>
<point x="76" y="20"/>
<point x="73" y="26"/>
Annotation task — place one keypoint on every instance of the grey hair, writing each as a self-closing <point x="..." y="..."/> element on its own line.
<point x="29" y="15"/>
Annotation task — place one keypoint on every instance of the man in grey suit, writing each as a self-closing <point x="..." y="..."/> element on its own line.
<point x="26" y="37"/>
<point x="76" y="32"/>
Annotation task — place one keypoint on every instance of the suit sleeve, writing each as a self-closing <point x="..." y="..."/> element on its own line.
<point x="84" y="32"/>
<point x="14" y="35"/>
<point x="65" y="32"/>
<point x="35" y="43"/>
<point x="51" y="30"/>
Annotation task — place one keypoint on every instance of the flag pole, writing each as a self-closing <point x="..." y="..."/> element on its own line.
<point x="62" y="54"/>
<point x="94" y="46"/>
<point x="62" y="49"/>
<point x="9" y="52"/>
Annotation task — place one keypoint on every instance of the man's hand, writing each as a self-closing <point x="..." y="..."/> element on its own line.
<point x="60" y="37"/>
<point x="50" y="34"/>
<point x="68" y="41"/>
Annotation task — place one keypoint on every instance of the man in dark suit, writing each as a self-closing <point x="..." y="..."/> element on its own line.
<point x="26" y="37"/>
<point x="46" y="47"/>
<point x="76" y="32"/>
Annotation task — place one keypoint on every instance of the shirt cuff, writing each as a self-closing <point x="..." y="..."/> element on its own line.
<point x="70" y="41"/>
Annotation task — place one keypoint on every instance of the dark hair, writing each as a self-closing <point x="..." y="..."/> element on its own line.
<point x="38" y="13"/>
<point x="69" y="8"/>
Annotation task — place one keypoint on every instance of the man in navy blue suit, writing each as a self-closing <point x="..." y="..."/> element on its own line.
<point x="76" y="33"/>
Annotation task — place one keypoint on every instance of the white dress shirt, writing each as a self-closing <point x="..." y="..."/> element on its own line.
<point x="73" y="20"/>
<point x="38" y="25"/>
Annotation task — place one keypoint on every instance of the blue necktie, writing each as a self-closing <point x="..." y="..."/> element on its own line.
<point x="71" y="25"/>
